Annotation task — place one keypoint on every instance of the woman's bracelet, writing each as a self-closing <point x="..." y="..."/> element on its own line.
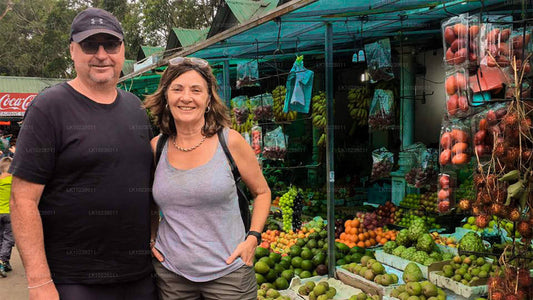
<point x="40" y="285"/>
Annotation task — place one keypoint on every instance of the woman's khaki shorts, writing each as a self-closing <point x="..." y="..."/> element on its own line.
<point x="238" y="285"/>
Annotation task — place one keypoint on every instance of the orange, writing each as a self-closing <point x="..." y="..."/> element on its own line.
<point x="362" y="237"/>
<point x="353" y="230"/>
<point x="342" y="236"/>
<point x="368" y="244"/>
<point x="383" y="241"/>
<point x="361" y="244"/>
<point x="367" y="235"/>
<point x="356" y="223"/>
<point x="347" y="224"/>
<point x="372" y="234"/>
<point x="355" y="238"/>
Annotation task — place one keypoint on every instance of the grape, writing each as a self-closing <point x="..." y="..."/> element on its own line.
<point x="286" y="203"/>
<point x="297" y="213"/>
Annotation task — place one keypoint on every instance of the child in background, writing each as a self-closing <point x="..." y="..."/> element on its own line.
<point x="6" y="235"/>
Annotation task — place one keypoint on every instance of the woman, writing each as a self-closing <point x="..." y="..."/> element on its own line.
<point x="202" y="250"/>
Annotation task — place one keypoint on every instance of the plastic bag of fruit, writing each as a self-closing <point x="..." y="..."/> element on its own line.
<point x="455" y="143"/>
<point x="274" y="146"/>
<point x="495" y="41"/>
<point x="446" y="194"/>
<point x="457" y="93"/>
<point x="455" y="33"/>
<point x="383" y="162"/>
<point x="262" y="107"/>
<point x="381" y="115"/>
<point x="240" y="108"/>
<point x="257" y="139"/>
<point x="378" y="58"/>
<point x="486" y="130"/>
<point x="247" y="74"/>
<point x="428" y="169"/>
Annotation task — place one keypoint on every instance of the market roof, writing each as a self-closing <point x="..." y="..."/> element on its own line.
<point x="13" y="84"/>
<point x="146" y="51"/>
<point x="299" y="26"/>
<point x="235" y="12"/>
<point x="127" y="67"/>
<point x="183" y="37"/>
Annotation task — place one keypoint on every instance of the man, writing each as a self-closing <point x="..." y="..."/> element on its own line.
<point x="80" y="202"/>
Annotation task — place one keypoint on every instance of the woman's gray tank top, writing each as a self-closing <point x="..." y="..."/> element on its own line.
<point x="201" y="224"/>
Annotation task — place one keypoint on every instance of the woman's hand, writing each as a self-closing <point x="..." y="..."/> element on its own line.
<point x="156" y="253"/>
<point x="245" y="250"/>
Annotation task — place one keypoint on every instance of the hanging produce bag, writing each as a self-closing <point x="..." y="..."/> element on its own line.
<point x="247" y="74"/>
<point x="381" y="110"/>
<point x="299" y="88"/>
<point x="379" y="63"/>
<point x="428" y="170"/>
<point x="274" y="145"/>
<point x="262" y="107"/>
<point x="257" y="139"/>
<point x="383" y="162"/>
<point x="240" y="109"/>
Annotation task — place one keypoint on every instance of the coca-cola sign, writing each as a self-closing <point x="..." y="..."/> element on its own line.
<point x="14" y="104"/>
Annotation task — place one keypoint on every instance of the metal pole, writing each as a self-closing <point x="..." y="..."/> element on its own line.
<point x="227" y="87"/>
<point x="407" y="93"/>
<point x="329" y="149"/>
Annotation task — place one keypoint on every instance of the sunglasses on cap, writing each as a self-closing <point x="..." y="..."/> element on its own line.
<point x="191" y="60"/>
<point x="91" y="47"/>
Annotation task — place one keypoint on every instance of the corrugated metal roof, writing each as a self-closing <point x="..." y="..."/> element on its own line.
<point x="234" y="12"/>
<point x="127" y="67"/>
<point x="146" y="51"/>
<point x="12" y="84"/>
<point x="182" y="37"/>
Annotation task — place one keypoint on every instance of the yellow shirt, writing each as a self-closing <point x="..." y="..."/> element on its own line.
<point x="5" y="192"/>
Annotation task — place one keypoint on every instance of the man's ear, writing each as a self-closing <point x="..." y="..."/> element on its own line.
<point x="71" y="49"/>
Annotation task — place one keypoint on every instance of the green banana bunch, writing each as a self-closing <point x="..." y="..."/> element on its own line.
<point x="278" y="94"/>
<point x="322" y="140"/>
<point x="359" y="100"/>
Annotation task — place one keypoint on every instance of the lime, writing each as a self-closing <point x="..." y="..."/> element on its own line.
<point x="297" y="271"/>
<point x="295" y="250"/>
<point x="281" y="283"/>
<point x="285" y="264"/>
<point x="300" y="242"/>
<point x="278" y="268"/>
<point x="260" y="278"/>
<point x="276" y="257"/>
<point x="261" y="267"/>
<point x="296" y="262"/>
<point x="287" y="274"/>
<point x="307" y="265"/>
<point x="306" y="253"/>
<point x="305" y="274"/>
<point x="268" y="261"/>
<point x="261" y="252"/>
<point x="271" y="275"/>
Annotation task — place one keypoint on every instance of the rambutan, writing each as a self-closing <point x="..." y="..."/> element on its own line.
<point x="464" y="204"/>
<point x="524" y="228"/>
<point x="482" y="221"/>
<point x="510" y="120"/>
<point x="514" y="215"/>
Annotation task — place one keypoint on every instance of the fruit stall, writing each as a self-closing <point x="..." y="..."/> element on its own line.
<point x="332" y="110"/>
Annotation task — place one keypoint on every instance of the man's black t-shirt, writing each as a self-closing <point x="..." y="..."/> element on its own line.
<point x="94" y="160"/>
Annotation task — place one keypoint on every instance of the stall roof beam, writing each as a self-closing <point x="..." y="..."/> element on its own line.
<point x="279" y="11"/>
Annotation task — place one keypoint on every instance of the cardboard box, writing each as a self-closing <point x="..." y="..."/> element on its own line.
<point x="344" y="292"/>
<point x="367" y="286"/>
<point x="478" y="288"/>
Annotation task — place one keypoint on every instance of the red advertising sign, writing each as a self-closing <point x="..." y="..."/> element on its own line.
<point x="14" y="104"/>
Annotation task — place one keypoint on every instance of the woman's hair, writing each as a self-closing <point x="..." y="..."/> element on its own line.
<point x="4" y="164"/>
<point x="215" y="119"/>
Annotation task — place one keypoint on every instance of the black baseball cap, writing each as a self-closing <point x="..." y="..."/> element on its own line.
<point x="93" y="21"/>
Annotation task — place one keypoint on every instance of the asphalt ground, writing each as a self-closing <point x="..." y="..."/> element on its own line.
<point x="14" y="286"/>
